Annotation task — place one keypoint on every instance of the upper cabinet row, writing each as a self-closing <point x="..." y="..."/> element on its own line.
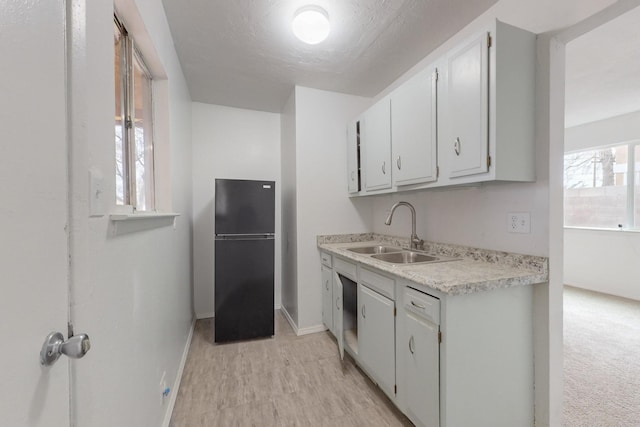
<point x="467" y="118"/>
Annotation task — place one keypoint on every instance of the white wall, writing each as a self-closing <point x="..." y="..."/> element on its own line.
<point x="130" y="292"/>
<point x="289" y="245"/>
<point x="228" y="143"/>
<point x="614" y="130"/>
<point x="603" y="260"/>
<point x="321" y="178"/>
<point x="476" y="215"/>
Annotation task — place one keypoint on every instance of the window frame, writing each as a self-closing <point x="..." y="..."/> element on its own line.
<point x="130" y="57"/>
<point x="630" y="220"/>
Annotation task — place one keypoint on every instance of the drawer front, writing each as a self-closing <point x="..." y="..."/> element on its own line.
<point x="422" y="304"/>
<point x="326" y="259"/>
<point x="379" y="283"/>
<point x="345" y="268"/>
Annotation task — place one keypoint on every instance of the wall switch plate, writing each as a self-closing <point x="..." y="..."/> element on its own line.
<point x="96" y="193"/>
<point x="519" y="222"/>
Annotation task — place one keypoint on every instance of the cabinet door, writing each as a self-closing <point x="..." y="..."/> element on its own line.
<point x="327" y="297"/>
<point x="375" y="128"/>
<point x="421" y="360"/>
<point x="376" y="337"/>
<point x="353" y="156"/>
<point x="468" y="96"/>
<point x="413" y="129"/>
<point x="338" y="320"/>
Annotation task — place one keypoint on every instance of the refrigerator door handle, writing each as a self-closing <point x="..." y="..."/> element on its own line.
<point x="245" y="236"/>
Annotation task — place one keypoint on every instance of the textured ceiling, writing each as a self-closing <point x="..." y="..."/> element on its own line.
<point x="242" y="53"/>
<point x="603" y="71"/>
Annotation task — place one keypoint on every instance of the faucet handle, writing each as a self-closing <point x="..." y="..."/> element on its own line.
<point x="418" y="243"/>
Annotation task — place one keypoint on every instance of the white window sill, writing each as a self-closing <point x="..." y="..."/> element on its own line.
<point x="609" y="230"/>
<point x="142" y="216"/>
<point x="131" y="222"/>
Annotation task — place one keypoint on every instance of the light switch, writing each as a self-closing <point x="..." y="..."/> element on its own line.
<point x="96" y="193"/>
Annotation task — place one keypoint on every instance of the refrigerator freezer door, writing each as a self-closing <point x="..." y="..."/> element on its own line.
<point x="244" y="288"/>
<point x="244" y="207"/>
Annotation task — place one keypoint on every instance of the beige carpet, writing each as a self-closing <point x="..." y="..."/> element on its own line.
<point x="601" y="360"/>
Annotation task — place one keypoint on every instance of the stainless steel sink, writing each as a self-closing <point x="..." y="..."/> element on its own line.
<point x="375" y="249"/>
<point x="410" y="257"/>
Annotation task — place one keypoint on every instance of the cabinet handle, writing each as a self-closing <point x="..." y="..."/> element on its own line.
<point x="384" y="168"/>
<point x="456" y="146"/>
<point x="326" y="284"/>
<point x="411" y="345"/>
<point x="399" y="163"/>
<point x="337" y="305"/>
<point x="353" y="176"/>
<point x="364" y="316"/>
<point x="420" y="306"/>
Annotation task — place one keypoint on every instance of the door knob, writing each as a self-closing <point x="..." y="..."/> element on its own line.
<point x="55" y="345"/>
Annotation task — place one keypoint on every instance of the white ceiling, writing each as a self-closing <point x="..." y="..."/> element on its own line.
<point x="603" y="71"/>
<point x="242" y="53"/>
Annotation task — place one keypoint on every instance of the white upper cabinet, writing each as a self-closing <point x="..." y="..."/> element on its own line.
<point x="471" y="121"/>
<point x="353" y="157"/>
<point x="488" y="108"/>
<point x="468" y="97"/>
<point x="375" y="138"/>
<point x="414" y="129"/>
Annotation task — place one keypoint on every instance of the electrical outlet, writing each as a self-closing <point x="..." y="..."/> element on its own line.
<point x="164" y="390"/>
<point x="519" y="222"/>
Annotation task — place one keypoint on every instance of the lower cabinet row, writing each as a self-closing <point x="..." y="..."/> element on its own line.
<point x="359" y="308"/>
<point x="443" y="360"/>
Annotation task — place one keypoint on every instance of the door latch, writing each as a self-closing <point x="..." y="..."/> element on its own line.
<point x="55" y="345"/>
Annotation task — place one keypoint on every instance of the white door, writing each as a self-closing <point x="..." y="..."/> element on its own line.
<point x="375" y="128"/>
<point x="33" y="212"/>
<point x="469" y="108"/>
<point x="376" y="337"/>
<point x="413" y="129"/>
<point x="353" y="142"/>
<point x="327" y="297"/>
<point x="422" y="364"/>
<point x="338" y="318"/>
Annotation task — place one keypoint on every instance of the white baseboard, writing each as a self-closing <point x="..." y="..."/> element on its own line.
<point x="205" y="315"/>
<point x="289" y="319"/>
<point x="311" y="330"/>
<point x="301" y="331"/>
<point x="176" y="383"/>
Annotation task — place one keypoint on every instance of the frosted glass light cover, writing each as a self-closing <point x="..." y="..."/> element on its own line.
<point x="311" y="24"/>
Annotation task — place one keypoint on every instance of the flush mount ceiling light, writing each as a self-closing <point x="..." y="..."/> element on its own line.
<point x="311" y="24"/>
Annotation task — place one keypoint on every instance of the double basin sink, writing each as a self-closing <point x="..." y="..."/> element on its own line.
<point x="395" y="255"/>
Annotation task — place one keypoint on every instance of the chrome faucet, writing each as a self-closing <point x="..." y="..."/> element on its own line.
<point x="414" y="241"/>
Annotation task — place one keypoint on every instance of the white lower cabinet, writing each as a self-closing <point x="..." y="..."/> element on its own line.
<point x="444" y="360"/>
<point x="376" y="337"/>
<point x="327" y="297"/>
<point x="421" y="357"/>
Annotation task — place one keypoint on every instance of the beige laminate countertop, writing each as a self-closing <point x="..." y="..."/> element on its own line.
<point x="476" y="270"/>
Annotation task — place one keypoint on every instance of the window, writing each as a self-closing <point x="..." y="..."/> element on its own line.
<point x="601" y="187"/>
<point x="133" y="125"/>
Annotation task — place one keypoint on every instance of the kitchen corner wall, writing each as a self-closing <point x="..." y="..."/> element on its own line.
<point x="316" y="201"/>
<point x="235" y="144"/>
<point x="289" y="248"/>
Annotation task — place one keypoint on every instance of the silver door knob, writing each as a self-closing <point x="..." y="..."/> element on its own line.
<point x="54" y="346"/>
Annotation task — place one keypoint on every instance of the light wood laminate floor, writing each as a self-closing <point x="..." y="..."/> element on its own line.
<point x="282" y="381"/>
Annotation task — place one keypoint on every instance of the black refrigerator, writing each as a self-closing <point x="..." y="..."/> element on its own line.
<point x="244" y="259"/>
